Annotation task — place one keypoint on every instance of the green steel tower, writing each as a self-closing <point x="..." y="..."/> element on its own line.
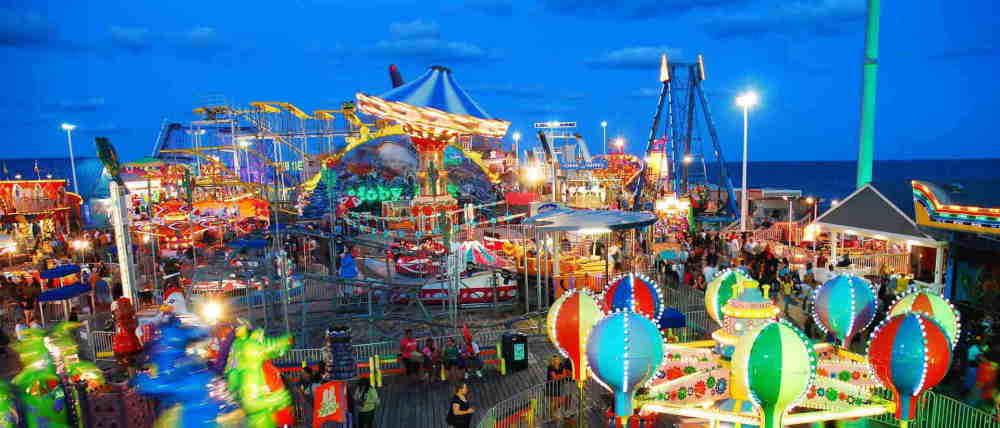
<point x="866" y="143"/>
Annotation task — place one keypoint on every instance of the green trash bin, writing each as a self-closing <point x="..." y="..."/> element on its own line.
<point x="514" y="348"/>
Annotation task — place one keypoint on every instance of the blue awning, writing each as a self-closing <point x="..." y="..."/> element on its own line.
<point x="437" y="89"/>
<point x="247" y="243"/>
<point x="59" y="271"/>
<point x="63" y="293"/>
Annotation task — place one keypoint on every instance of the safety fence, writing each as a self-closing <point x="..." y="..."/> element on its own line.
<point x="380" y="357"/>
<point x="684" y="298"/>
<point x="538" y="405"/>
<point x="936" y="410"/>
<point x="101" y="346"/>
<point x="873" y="263"/>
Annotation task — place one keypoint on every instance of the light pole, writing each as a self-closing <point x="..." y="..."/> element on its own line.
<point x="604" y="135"/>
<point x="789" y="218"/>
<point x="72" y="162"/>
<point x="517" y="155"/>
<point x="745" y="100"/>
<point x="815" y="205"/>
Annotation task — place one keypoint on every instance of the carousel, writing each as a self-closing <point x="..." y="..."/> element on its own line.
<point x="758" y="369"/>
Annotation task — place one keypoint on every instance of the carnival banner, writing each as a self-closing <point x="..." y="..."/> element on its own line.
<point x="329" y="403"/>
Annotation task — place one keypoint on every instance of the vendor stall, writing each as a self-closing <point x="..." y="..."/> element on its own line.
<point x="31" y="211"/>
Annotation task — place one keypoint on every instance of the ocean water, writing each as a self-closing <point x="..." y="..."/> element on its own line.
<point x="836" y="179"/>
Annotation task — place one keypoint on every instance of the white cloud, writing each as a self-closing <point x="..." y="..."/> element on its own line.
<point x="640" y="57"/>
<point x="418" y="29"/>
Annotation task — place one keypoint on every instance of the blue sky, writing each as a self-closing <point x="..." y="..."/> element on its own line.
<point x="120" y="69"/>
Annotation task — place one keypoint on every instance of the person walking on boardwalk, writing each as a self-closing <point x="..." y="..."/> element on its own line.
<point x="410" y="356"/>
<point x="452" y="358"/>
<point x="460" y="413"/>
<point x="368" y="397"/>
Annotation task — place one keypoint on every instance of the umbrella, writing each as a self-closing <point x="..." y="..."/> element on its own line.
<point x="60" y="271"/>
<point x="63" y="293"/>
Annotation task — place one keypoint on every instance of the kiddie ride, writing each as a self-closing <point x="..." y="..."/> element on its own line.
<point x="431" y="268"/>
<point x="50" y="382"/>
<point x="236" y="383"/>
<point x="758" y="369"/>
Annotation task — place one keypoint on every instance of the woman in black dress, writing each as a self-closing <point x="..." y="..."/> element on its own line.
<point x="460" y="414"/>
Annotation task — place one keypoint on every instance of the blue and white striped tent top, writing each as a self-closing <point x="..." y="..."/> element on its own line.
<point x="437" y="89"/>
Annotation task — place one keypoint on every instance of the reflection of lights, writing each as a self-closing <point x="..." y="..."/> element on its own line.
<point x="212" y="312"/>
<point x="533" y="173"/>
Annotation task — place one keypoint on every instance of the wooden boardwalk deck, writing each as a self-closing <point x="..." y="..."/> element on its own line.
<point x="426" y="406"/>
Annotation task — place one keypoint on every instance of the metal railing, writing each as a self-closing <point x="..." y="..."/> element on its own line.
<point x="872" y="263"/>
<point x="939" y="411"/>
<point x="684" y="298"/>
<point x="538" y="405"/>
<point x="100" y="345"/>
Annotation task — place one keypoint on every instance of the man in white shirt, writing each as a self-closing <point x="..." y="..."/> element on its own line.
<point x="709" y="272"/>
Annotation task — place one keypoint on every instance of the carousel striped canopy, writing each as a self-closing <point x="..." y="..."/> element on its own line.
<point x="437" y="89"/>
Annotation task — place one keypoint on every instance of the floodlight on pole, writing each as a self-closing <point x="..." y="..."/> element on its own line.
<point x="746" y="100"/>
<point x="604" y="135"/>
<point x="72" y="161"/>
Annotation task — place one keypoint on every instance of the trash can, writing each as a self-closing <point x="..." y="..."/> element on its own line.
<point x="514" y="348"/>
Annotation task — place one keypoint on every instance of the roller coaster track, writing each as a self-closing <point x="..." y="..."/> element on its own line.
<point x="360" y="134"/>
<point x="198" y="152"/>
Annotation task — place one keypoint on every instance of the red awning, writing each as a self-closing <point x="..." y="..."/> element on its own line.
<point x="520" y="198"/>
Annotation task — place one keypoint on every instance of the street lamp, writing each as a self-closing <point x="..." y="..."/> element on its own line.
<point x="517" y="155"/>
<point x="72" y="162"/>
<point x="746" y="100"/>
<point x="789" y="217"/>
<point x="815" y="205"/>
<point x="604" y="135"/>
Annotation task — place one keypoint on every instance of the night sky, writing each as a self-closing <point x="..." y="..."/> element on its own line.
<point x="120" y="68"/>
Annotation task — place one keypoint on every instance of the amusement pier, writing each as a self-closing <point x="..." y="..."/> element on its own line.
<point x="414" y="256"/>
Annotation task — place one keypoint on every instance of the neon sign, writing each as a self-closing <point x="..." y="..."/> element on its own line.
<point x="376" y="193"/>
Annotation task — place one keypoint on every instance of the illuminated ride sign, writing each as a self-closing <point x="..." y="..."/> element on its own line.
<point x="593" y="164"/>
